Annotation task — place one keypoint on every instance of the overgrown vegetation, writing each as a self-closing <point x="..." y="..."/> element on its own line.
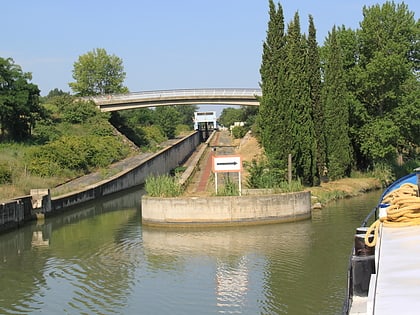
<point x="163" y="186"/>
<point x="261" y="176"/>
<point x="229" y="188"/>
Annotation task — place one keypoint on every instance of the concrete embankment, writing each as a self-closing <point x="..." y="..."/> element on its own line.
<point x="14" y="213"/>
<point x="223" y="210"/>
<point x="229" y="210"/>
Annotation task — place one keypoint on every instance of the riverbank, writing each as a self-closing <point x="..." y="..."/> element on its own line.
<point x="248" y="148"/>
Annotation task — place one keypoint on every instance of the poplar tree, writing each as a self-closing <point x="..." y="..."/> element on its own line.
<point x="336" y="110"/>
<point x="387" y="83"/>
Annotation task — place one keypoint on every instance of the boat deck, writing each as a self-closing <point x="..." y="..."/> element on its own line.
<point x="395" y="289"/>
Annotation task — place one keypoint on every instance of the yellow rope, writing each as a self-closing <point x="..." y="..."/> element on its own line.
<point x="403" y="210"/>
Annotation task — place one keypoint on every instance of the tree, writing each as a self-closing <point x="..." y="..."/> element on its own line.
<point x="97" y="73"/>
<point x="231" y="115"/>
<point x="187" y="114"/>
<point x="336" y="111"/>
<point x="19" y="101"/>
<point x="167" y="118"/>
<point x="299" y="107"/>
<point x="388" y="63"/>
<point x="315" y="89"/>
<point x="273" y="117"/>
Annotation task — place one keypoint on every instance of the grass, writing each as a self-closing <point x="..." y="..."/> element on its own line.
<point x="344" y="188"/>
<point x="12" y="156"/>
<point x="163" y="186"/>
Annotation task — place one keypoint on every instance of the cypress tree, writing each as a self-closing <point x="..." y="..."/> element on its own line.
<point x="315" y="88"/>
<point x="336" y="109"/>
<point x="270" y="117"/>
<point x="299" y="108"/>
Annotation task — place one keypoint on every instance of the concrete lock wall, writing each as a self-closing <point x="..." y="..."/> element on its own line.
<point x="226" y="210"/>
<point x="160" y="163"/>
<point x="11" y="214"/>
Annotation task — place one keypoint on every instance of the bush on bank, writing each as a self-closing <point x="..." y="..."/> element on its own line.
<point x="163" y="186"/>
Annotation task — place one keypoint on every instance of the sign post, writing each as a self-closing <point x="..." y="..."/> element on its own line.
<point x="227" y="164"/>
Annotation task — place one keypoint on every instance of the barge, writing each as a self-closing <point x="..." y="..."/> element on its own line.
<point x="384" y="268"/>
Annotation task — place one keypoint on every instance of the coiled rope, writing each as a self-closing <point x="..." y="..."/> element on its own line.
<point x="403" y="210"/>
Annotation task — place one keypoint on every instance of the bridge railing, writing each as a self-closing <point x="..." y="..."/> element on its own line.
<point x="177" y="93"/>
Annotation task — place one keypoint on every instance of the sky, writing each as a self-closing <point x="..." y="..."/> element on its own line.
<point x="166" y="44"/>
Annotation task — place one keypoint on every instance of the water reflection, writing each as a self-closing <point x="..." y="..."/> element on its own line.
<point x="75" y="263"/>
<point x="100" y="260"/>
<point x="241" y="258"/>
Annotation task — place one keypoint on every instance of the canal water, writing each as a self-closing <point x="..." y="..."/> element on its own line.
<point x="99" y="259"/>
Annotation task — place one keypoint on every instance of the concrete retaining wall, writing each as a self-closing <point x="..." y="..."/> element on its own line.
<point x="12" y="214"/>
<point x="160" y="163"/>
<point x="204" y="211"/>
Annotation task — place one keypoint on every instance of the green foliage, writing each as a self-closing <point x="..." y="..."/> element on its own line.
<point x="262" y="175"/>
<point x="315" y="87"/>
<point x="370" y="109"/>
<point x="285" y="118"/>
<point x="239" y="131"/>
<point x="186" y="113"/>
<point x="295" y="185"/>
<point x="336" y="112"/>
<point x="229" y="188"/>
<point x="80" y="154"/>
<point x="78" y="112"/>
<point x="231" y="115"/>
<point x="154" y="135"/>
<point x="167" y="118"/>
<point x="378" y="140"/>
<point x="386" y="65"/>
<point x="384" y="173"/>
<point x="163" y="186"/>
<point x="274" y="116"/>
<point x="44" y="133"/>
<point x="97" y="73"/>
<point x="5" y="174"/>
<point x="19" y="102"/>
<point x="132" y="131"/>
<point x="182" y="129"/>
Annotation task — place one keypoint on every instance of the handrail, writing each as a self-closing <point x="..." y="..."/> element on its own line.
<point x="179" y="93"/>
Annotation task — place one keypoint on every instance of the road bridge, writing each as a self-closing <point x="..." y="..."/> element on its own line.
<point x="220" y="96"/>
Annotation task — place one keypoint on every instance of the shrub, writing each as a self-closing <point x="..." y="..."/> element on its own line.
<point x="75" y="153"/>
<point x="239" y="131"/>
<point x="5" y="174"/>
<point x="154" y="134"/>
<point x="44" y="133"/>
<point x="262" y="175"/>
<point x="163" y="186"/>
<point x="229" y="188"/>
<point x="79" y="112"/>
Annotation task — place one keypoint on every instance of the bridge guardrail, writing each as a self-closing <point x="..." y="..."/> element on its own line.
<point x="177" y="93"/>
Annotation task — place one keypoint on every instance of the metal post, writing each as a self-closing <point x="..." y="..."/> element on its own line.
<point x="240" y="184"/>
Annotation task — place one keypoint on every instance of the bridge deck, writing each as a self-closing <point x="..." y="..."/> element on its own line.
<point x="178" y="97"/>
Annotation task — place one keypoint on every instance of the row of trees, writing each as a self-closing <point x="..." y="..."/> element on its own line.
<point x="353" y="103"/>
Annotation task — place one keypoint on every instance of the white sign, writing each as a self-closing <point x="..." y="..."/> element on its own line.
<point x="227" y="163"/>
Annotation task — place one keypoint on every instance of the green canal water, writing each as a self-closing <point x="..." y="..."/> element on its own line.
<point x="99" y="259"/>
